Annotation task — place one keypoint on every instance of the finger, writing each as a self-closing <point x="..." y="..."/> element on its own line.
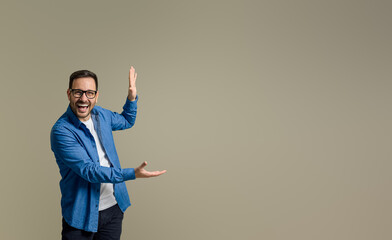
<point x="131" y="71"/>
<point x="129" y="77"/>
<point x="143" y="165"/>
<point x="132" y="77"/>
<point x="131" y="74"/>
<point x="157" y="173"/>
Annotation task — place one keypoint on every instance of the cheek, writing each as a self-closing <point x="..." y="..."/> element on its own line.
<point x="73" y="101"/>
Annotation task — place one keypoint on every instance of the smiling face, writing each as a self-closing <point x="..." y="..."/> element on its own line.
<point x="82" y="106"/>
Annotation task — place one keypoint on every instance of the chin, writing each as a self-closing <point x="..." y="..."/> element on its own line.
<point x="84" y="115"/>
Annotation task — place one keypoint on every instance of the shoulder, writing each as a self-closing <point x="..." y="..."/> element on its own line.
<point x="99" y="109"/>
<point x="63" y="125"/>
<point x="102" y="112"/>
<point x="60" y="123"/>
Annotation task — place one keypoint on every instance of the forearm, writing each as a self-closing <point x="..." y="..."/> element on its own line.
<point x="70" y="154"/>
<point x="95" y="173"/>
<point x="130" y="111"/>
<point x="126" y="119"/>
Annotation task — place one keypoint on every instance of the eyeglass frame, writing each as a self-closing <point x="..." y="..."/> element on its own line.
<point x="83" y="92"/>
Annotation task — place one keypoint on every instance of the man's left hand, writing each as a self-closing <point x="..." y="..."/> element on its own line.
<point x="140" y="172"/>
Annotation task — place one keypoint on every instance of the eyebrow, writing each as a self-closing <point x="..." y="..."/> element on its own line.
<point x="84" y="90"/>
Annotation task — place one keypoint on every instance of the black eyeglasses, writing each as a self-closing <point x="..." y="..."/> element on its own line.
<point x="79" y="93"/>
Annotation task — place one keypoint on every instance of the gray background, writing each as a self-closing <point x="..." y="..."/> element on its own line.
<point x="272" y="117"/>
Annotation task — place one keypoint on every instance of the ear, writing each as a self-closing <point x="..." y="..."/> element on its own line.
<point x="69" y="94"/>
<point x="96" y="97"/>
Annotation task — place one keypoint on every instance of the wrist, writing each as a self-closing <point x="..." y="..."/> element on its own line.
<point x="131" y="98"/>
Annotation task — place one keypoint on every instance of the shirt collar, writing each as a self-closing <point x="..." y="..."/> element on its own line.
<point x="75" y="120"/>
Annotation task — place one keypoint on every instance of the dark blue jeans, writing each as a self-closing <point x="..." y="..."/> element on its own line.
<point x="109" y="227"/>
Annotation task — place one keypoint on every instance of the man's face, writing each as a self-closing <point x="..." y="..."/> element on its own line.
<point x="82" y="106"/>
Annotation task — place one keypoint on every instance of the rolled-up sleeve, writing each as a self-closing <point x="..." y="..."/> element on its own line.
<point x="127" y="118"/>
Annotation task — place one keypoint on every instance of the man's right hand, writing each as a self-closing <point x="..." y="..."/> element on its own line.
<point x="140" y="172"/>
<point x="132" y="84"/>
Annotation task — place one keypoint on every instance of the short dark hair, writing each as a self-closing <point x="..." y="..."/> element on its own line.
<point x="82" y="74"/>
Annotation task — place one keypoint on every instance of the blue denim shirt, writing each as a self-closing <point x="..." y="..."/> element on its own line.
<point x="76" y="155"/>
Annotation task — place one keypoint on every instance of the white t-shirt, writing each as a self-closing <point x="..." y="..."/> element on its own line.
<point x="106" y="199"/>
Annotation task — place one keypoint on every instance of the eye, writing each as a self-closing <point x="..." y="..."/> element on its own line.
<point x="77" y="93"/>
<point x="90" y="94"/>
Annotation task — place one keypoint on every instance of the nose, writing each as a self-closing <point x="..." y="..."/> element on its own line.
<point x="83" y="97"/>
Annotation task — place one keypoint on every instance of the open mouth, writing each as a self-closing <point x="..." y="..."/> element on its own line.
<point x="82" y="107"/>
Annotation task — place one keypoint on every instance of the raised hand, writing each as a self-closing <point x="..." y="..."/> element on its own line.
<point x="140" y="172"/>
<point x="132" y="84"/>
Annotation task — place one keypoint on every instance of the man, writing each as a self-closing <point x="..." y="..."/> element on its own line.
<point x="94" y="194"/>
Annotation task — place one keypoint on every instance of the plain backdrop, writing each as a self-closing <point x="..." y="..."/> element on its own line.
<point x="272" y="118"/>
